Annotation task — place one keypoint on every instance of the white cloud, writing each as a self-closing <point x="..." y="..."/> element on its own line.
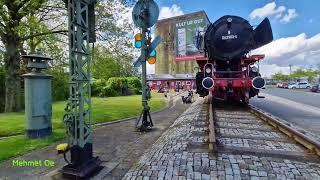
<point x="271" y="10"/>
<point x="167" y="12"/>
<point x="290" y="16"/>
<point x="267" y="70"/>
<point x="300" y="51"/>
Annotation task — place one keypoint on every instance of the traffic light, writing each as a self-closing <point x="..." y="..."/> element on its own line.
<point x="152" y="57"/>
<point x="137" y="40"/>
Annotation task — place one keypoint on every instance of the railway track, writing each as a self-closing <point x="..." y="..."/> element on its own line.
<point x="242" y="145"/>
<point x="249" y="132"/>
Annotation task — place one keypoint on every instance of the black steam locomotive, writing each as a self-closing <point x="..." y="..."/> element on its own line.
<point x="228" y="70"/>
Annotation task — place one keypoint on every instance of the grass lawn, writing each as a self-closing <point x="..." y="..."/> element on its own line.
<point x="103" y="110"/>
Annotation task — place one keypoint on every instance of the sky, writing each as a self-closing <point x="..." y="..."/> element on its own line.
<point x="295" y="25"/>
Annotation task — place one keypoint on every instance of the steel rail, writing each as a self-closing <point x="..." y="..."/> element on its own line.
<point x="310" y="144"/>
<point x="307" y="142"/>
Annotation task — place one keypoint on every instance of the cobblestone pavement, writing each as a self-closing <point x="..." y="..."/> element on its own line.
<point x="246" y="149"/>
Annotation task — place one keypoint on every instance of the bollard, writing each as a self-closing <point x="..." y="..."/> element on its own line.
<point x="38" y="100"/>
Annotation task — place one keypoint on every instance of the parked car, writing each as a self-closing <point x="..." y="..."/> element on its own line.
<point x="279" y="85"/>
<point x="315" y="88"/>
<point x="299" y="85"/>
<point x="285" y="85"/>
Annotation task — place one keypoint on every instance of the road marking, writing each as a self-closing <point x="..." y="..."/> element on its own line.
<point x="293" y="104"/>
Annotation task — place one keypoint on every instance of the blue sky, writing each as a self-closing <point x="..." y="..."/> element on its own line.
<point x="308" y="19"/>
<point x="295" y="24"/>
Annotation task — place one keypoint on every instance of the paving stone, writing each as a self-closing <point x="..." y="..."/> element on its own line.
<point x="253" y="173"/>
<point x="262" y="173"/>
<point x="197" y="175"/>
<point x="229" y="171"/>
<point x="229" y="177"/>
<point x="178" y="156"/>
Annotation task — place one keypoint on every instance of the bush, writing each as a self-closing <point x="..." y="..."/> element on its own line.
<point x="60" y="85"/>
<point x="109" y="92"/>
<point x="116" y="86"/>
<point x="97" y="87"/>
<point x="117" y="83"/>
<point x="134" y="84"/>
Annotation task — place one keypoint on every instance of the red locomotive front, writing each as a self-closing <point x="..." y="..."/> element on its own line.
<point x="227" y="69"/>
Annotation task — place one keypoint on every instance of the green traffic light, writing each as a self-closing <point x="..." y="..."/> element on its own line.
<point x="138" y="44"/>
<point x="153" y="53"/>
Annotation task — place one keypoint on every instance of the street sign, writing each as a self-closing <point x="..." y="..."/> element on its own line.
<point x="152" y="13"/>
<point x="154" y="43"/>
<point x="152" y="46"/>
<point x="137" y="63"/>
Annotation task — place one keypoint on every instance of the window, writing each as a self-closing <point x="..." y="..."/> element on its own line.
<point x="188" y="83"/>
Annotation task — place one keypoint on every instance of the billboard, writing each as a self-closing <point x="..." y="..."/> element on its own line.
<point x="186" y="37"/>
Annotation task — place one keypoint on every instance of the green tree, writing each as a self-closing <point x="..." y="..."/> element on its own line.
<point x="13" y="15"/>
<point x="281" y="77"/>
<point x="26" y="25"/>
<point x="2" y="87"/>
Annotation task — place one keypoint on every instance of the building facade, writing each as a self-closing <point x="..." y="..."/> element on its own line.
<point x="183" y="81"/>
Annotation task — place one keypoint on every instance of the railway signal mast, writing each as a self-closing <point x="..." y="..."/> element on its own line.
<point x="77" y="118"/>
<point x="145" y="14"/>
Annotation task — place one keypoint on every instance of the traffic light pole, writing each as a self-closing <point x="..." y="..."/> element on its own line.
<point x="145" y="14"/>
<point x="145" y="124"/>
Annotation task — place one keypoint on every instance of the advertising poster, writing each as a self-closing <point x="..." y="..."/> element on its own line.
<point x="186" y="37"/>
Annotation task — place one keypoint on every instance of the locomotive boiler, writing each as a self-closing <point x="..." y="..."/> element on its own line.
<point x="228" y="70"/>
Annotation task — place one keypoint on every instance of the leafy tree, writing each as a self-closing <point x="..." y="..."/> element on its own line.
<point x="299" y="73"/>
<point x="13" y="15"/>
<point x="106" y="64"/>
<point x="26" y="25"/>
<point x="280" y="76"/>
<point x="2" y="89"/>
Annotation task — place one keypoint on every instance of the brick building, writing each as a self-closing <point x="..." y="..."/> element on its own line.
<point x="184" y="81"/>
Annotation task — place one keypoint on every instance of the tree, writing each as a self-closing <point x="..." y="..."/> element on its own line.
<point x="281" y="77"/>
<point x="13" y="14"/>
<point x="29" y="24"/>
<point x="106" y="64"/>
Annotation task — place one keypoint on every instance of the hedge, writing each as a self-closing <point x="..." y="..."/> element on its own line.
<point x="60" y="85"/>
<point x="116" y="86"/>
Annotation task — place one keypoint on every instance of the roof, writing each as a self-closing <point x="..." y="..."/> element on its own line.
<point x="169" y="76"/>
<point x="184" y="16"/>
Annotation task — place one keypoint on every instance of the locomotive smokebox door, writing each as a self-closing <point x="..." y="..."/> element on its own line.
<point x="38" y="103"/>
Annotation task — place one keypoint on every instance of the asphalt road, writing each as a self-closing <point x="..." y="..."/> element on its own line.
<point x="297" y="107"/>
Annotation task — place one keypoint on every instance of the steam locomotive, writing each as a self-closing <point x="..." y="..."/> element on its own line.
<point x="228" y="70"/>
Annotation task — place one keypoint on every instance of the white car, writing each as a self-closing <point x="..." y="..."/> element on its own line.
<point x="299" y="85"/>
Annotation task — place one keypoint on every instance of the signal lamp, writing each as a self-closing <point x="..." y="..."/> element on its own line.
<point x="137" y="40"/>
<point x="208" y="70"/>
<point x="152" y="60"/>
<point x="152" y="57"/>
<point x="153" y="53"/>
